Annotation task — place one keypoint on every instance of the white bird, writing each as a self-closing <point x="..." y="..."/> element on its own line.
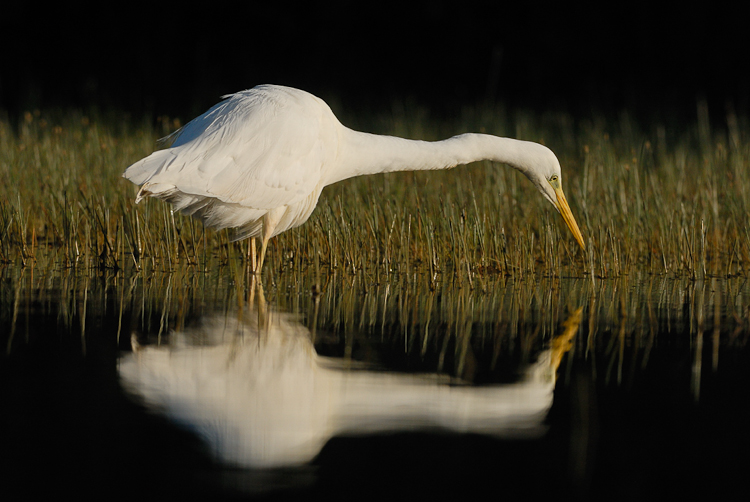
<point x="257" y="161"/>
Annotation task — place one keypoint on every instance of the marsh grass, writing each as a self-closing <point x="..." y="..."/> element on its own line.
<point x="419" y="325"/>
<point x="663" y="202"/>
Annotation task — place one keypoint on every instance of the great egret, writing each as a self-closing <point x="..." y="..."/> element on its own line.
<point x="257" y="162"/>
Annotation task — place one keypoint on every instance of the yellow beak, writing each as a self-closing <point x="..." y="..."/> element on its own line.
<point x="562" y="205"/>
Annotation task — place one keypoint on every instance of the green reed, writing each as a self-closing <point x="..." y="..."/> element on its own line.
<point x="665" y="202"/>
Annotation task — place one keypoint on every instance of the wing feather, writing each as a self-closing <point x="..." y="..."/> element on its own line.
<point x="262" y="148"/>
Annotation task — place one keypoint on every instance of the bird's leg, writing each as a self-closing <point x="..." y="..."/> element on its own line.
<point x="263" y="247"/>
<point x="252" y="255"/>
<point x="270" y="220"/>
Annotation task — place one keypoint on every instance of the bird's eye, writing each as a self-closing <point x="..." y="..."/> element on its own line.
<point x="553" y="177"/>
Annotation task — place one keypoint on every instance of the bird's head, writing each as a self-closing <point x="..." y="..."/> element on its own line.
<point x="546" y="176"/>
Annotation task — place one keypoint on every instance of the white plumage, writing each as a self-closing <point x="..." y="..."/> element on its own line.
<point x="257" y="162"/>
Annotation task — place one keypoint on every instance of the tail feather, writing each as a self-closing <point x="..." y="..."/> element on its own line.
<point x="214" y="213"/>
<point x="211" y="210"/>
<point x="145" y="169"/>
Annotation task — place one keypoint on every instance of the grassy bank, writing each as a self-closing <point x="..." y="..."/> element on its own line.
<point x="660" y="201"/>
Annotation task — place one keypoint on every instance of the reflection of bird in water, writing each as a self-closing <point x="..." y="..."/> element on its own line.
<point x="255" y="389"/>
<point x="257" y="162"/>
<point x="563" y="342"/>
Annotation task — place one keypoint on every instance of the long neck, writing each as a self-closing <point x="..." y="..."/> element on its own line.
<point x="363" y="153"/>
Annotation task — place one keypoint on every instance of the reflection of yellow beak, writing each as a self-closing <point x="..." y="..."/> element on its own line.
<point x="562" y="205"/>
<point x="563" y="343"/>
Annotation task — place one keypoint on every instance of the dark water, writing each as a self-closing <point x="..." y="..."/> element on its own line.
<point x="445" y="388"/>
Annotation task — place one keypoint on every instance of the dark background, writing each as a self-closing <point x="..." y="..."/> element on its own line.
<point x="655" y="59"/>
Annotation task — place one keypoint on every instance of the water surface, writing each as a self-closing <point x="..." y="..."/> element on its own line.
<point x="190" y="383"/>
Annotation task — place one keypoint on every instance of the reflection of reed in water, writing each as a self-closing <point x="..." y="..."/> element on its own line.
<point x="252" y="385"/>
